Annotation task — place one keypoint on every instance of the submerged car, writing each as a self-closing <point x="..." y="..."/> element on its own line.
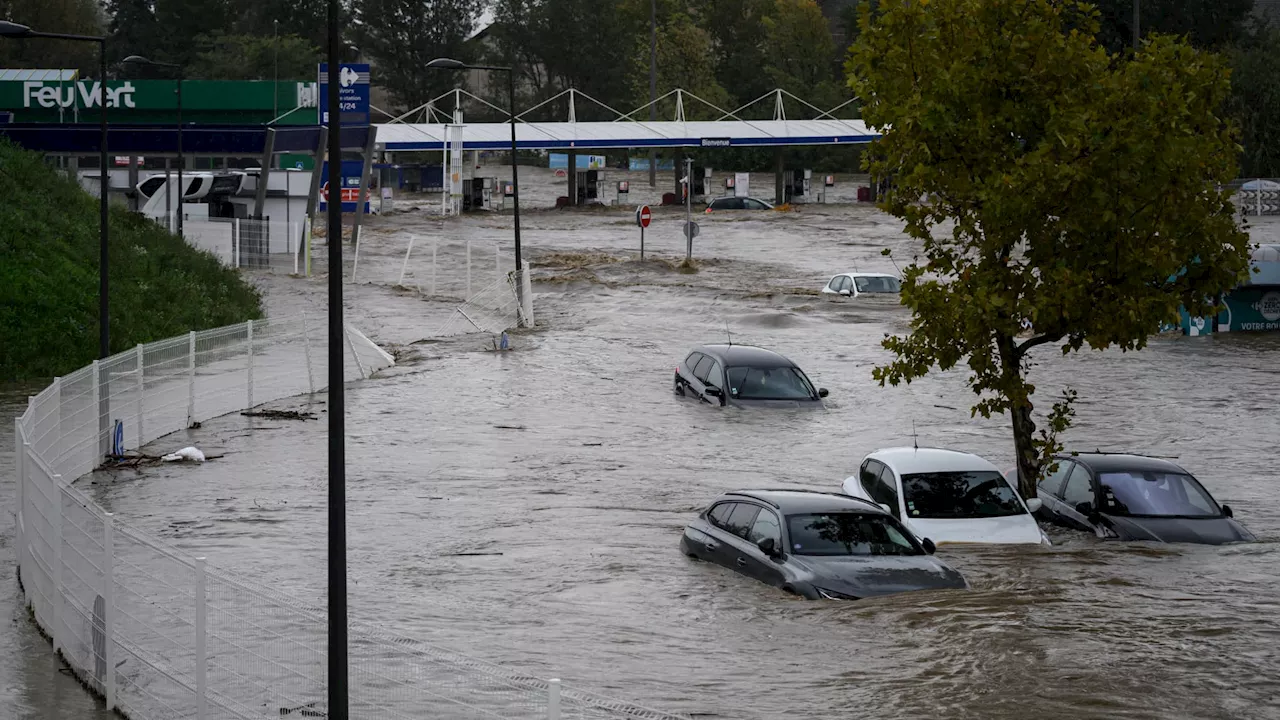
<point x="737" y="203"/>
<point x="947" y="495"/>
<point x="745" y="376"/>
<point x="854" y="284"/>
<point x="816" y="545"/>
<point x="1134" y="497"/>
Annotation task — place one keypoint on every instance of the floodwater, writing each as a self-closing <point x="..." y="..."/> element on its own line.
<point x="565" y="470"/>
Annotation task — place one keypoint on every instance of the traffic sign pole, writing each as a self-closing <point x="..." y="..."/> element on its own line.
<point x="643" y="218"/>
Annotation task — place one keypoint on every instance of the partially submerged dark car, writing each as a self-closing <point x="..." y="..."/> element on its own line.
<point x="745" y="376"/>
<point x="816" y="545"/>
<point x="1134" y="497"/>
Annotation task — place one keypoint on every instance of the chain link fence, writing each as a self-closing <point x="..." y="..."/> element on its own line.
<point x="161" y="635"/>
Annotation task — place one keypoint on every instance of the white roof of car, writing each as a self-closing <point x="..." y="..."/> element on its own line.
<point x="908" y="460"/>
<point x="867" y="274"/>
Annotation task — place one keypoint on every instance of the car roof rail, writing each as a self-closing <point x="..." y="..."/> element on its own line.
<point x="750" y="494"/>
<point x="1077" y="453"/>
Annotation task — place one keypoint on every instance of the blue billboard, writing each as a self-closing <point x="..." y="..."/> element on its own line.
<point x="353" y="93"/>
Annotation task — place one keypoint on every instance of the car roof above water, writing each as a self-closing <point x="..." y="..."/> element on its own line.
<point x="1120" y="462"/>
<point x="911" y="460"/>
<point x="808" y="501"/>
<point x="751" y="355"/>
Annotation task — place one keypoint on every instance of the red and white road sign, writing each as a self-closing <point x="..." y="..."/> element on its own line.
<point x="643" y="216"/>
<point x="349" y="195"/>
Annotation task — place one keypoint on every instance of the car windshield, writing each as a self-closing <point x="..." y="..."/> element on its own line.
<point x="878" y="284"/>
<point x="773" y="383"/>
<point x="1155" y="494"/>
<point x="848" y="534"/>
<point x="976" y="494"/>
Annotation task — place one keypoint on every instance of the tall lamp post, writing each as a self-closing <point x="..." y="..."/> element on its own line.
<point x="22" y="32"/>
<point x="182" y="189"/>
<point x="450" y="64"/>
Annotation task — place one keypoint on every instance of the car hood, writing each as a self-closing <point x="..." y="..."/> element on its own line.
<point x="871" y="575"/>
<point x="1206" y="531"/>
<point x="809" y="404"/>
<point x="1002" y="530"/>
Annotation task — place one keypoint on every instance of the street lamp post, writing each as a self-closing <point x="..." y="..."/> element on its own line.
<point x="449" y="64"/>
<point x="182" y="190"/>
<point x="22" y="32"/>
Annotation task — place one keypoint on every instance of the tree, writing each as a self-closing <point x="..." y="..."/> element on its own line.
<point x="63" y="16"/>
<point x="800" y="52"/>
<point x="737" y="29"/>
<point x="683" y="50"/>
<point x="1209" y="24"/>
<point x="246" y="57"/>
<point x="402" y="36"/>
<point x="178" y="28"/>
<point x="1255" y="103"/>
<point x="132" y="30"/>
<point x="1077" y="197"/>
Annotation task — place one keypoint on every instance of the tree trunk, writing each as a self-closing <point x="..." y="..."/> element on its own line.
<point x="1024" y="428"/>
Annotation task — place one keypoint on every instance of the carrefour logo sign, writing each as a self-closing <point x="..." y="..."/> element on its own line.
<point x="82" y="94"/>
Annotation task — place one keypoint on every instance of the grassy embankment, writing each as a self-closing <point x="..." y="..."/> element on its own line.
<point x="160" y="285"/>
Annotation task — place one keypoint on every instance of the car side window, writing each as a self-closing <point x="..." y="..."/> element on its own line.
<point x="869" y="476"/>
<point x="835" y="283"/>
<point x="1052" y="482"/>
<point x="719" y="515"/>
<point x="846" y="283"/>
<point x="754" y="205"/>
<point x="888" y="490"/>
<point x="704" y="366"/>
<point x="742" y="518"/>
<point x="1078" y="489"/>
<point x="766" y="526"/>
<point x="692" y="361"/>
<point x="715" y="376"/>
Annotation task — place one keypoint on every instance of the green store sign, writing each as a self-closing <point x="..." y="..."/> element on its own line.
<point x="156" y="101"/>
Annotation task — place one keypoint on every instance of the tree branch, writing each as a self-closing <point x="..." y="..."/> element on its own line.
<point x="1039" y="340"/>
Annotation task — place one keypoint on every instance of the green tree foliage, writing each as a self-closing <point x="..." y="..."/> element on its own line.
<point x="1255" y="103"/>
<point x="1053" y="187"/>
<point x="683" y="49"/>
<point x="1208" y="24"/>
<point x="737" y="27"/>
<point x="160" y="285"/>
<point x="63" y="16"/>
<point x="800" y="53"/>
<point x="249" y="57"/>
<point x="402" y="36"/>
<point x="177" y="28"/>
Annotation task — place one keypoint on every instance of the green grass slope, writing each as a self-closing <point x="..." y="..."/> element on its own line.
<point x="160" y="285"/>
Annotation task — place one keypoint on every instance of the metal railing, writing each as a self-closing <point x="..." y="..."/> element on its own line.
<point x="161" y="634"/>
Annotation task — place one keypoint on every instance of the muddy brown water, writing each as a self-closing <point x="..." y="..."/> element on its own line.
<point x="571" y="464"/>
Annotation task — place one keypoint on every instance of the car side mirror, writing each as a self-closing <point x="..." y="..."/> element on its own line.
<point x="886" y="508"/>
<point x="768" y="547"/>
<point x="1034" y="504"/>
<point x="713" y="392"/>
<point x="846" y="293"/>
<point x="1226" y="510"/>
<point x="822" y="392"/>
<point x="929" y="547"/>
<point x="1085" y="508"/>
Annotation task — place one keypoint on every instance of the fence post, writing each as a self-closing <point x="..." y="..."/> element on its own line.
<point x="249" y="336"/>
<point x="202" y="708"/>
<point x="306" y="348"/>
<point x="57" y="564"/>
<point x="526" y="296"/>
<point x="97" y="404"/>
<point x="468" y="295"/>
<point x="553" y="699"/>
<point x="108" y="607"/>
<point x="57" y="383"/>
<point x="235" y="244"/>
<point x="191" y="378"/>
<point x="142" y="387"/>
<point x="346" y="333"/>
<point x="20" y="465"/>
<point x="497" y="260"/>
<point x="405" y="265"/>
<point x="435" y="244"/>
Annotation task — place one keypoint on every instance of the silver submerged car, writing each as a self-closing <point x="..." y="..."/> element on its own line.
<point x="817" y="545"/>
<point x="745" y="376"/>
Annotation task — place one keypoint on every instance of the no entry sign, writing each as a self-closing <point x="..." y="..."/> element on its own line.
<point x="643" y="216"/>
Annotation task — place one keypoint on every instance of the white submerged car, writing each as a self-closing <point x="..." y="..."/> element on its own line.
<point x="947" y="496"/>
<point x="855" y="284"/>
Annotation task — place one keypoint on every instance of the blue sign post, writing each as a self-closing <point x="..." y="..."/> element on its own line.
<point x="353" y="93"/>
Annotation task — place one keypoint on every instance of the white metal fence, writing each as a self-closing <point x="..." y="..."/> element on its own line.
<point x="270" y="244"/>
<point x="157" y="632"/>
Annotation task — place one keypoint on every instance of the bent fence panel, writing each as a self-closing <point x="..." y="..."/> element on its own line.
<point x="154" y="630"/>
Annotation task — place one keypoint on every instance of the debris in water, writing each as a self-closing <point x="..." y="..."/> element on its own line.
<point x="186" y="454"/>
<point x="280" y="414"/>
<point x="470" y="554"/>
<point x="511" y="427"/>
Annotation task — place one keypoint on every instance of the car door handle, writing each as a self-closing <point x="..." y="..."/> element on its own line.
<point x="742" y="562"/>
<point x="711" y="545"/>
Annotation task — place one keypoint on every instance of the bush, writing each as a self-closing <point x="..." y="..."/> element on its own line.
<point x="160" y="285"/>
